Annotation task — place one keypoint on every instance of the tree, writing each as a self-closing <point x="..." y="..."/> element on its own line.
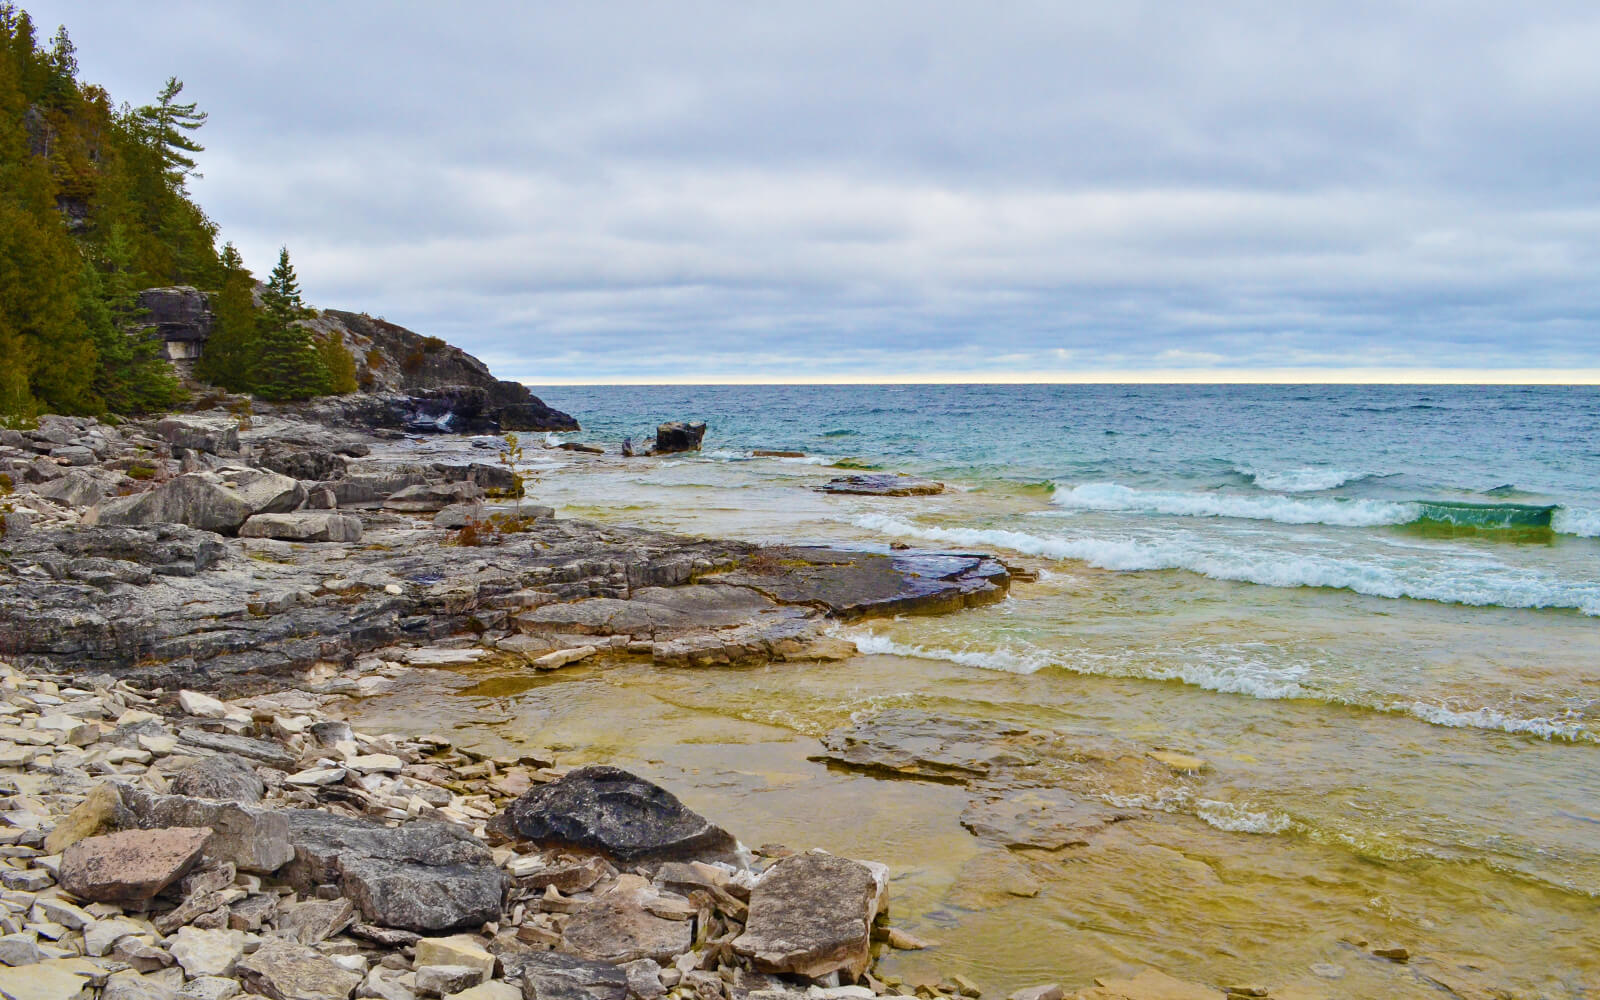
<point x="289" y="366"/>
<point x="167" y="125"/>
<point x="232" y="351"/>
<point x="132" y="376"/>
<point x="339" y="363"/>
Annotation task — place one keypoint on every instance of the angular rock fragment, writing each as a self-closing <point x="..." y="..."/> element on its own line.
<point x="458" y="949"/>
<point x="304" y="526"/>
<point x="621" y="927"/>
<point x="283" y="970"/>
<point x="424" y="876"/>
<point x="224" y="777"/>
<point x="207" y="953"/>
<point x="811" y="915"/>
<point x="195" y="499"/>
<point x="548" y="975"/>
<point x="315" y="921"/>
<point x="252" y="838"/>
<point x="101" y="812"/>
<point x="620" y="815"/>
<point x="132" y="866"/>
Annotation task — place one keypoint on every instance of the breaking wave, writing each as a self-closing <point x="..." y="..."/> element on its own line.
<point x="1480" y="582"/>
<point x="1306" y="479"/>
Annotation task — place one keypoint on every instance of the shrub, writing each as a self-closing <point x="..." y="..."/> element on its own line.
<point x="413" y="361"/>
<point x="375" y="358"/>
<point x="433" y="345"/>
<point x="141" y="472"/>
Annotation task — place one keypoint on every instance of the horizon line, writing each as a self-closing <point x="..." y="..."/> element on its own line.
<point x="1331" y="376"/>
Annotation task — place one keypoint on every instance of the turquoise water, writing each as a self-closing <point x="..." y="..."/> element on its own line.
<point x="1373" y="611"/>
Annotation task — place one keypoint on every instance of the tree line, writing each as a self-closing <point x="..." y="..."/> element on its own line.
<point x="94" y="207"/>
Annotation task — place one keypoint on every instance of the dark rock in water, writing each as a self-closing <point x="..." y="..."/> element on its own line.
<point x="425" y="876"/>
<point x="811" y="915"/>
<point x="909" y="744"/>
<point x="627" y="447"/>
<point x="548" y="975"/>
<point x="677" y="436"/>
<point x="196" y="500"/>
<point x="768" y="453"/>
<point x="883" y="485"/>
<point x="854" y="585"/>
<point x="622" y="816"/>
<point x="223" y="777"/>
<point x="578" y="446"/>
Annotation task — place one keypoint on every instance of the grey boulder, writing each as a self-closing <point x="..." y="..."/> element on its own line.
<point x="215" y="435"/>
<point x="304" y="526"/>
<point x="223" y="777"/>
<point x="811" y="915"/>
<point x="196" y="499"/>
<point x="264" y="492"/>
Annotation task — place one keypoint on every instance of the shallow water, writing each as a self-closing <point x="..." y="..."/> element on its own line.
<point x="1400" y="712"/>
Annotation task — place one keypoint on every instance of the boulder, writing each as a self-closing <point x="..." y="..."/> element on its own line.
<point x="620" y="927"/>
<point x="131" y="985"/>
<point x="252" y="838"/>
<point x="207" y="953"/>
<point x="301" y="463"/>
<point x="57" y="979"/>
<point x="130" y="867"/>
<point x="101" y="812"/>
<point x="620" y="815"/>
<point x="197" y="500"/>
<point x="304" y="526"/>
<point x="283" y="970"/>
<point x="883" y="485"/>
<point x="264" y="492"/>
<point x="426" y="497"/>
<point x="213" y="435"/>
<point x="458" y="515"/>
<point x="224" y="777"/>
<point x="548" y="975"/>
<point x="317" y="920"/>
<point x="811" y="915"/>
<point x="75" y="489"/>
<point x="424" y="876"/>
<point x="676" y="436"/>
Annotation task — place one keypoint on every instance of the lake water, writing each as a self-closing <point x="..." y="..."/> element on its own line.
<point x="1373" y="611"/>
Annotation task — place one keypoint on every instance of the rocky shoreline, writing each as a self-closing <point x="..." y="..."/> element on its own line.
<point x="160" y="842"/>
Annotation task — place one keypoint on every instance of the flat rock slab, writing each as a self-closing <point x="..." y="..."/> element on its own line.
<point x="883" y="485"/>
<point x="304" y="526"/>
<point x="651" y="612"/>
<point x="252" y="838"/>
<point x="854" y="585"/>
<point x="56" y="979"/>
<point x="1047" y="818"/>
<point x="132" y="866"/>
<point x="549" y="975"/>
<point x="619" y="928"/>
<point x="811" y="915"/>
<point x="619" y="815"/>
<point x="905" y="744"/>
<point x="425" y="876"/>
<point x="282" y="970"/>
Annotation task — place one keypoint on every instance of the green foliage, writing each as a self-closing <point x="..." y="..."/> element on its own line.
<point x="289" y="365"/>
<point x="233" y="349"/>
<point x="92" y="208"/>
<point x="339" y="363"/>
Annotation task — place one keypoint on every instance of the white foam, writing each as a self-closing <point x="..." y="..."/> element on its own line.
<point x="1452" y="580"/>
<point x="1305" y="479"/>
<point x="1492" y="718"/>
<point x="1581" y="521"/>
<point x="998" y="659"/>
<point x="1238" y="819"/>
<point x="1284" y="510"/>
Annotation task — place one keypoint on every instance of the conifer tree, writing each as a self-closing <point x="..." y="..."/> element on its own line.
<point x="232" y="351"/>
<point x="289" y="366"/>
<point x="167" y="124"/>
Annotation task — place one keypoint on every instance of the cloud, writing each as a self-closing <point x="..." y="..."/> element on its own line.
<point x="637" y="190"/>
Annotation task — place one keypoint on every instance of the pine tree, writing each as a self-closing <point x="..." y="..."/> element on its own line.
<point x="232" y="351"/>
<point x="289" y="366"/>
<point x="132" y="376"/>
<point x="167" y="124"/>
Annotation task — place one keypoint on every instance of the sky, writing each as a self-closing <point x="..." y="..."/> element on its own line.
<point x="864" y="191"/>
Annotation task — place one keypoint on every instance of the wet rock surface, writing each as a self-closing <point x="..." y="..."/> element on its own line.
<point x="883" y="485"/>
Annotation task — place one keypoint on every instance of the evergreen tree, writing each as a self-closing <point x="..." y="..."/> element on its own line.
<point x="167" y="123"/>
<point x="132" y="376"/>
<point x="289" y="366"/>
<point x="232" y="351"/>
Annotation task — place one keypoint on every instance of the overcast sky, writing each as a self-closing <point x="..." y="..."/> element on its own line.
<point x="669" y="191"/>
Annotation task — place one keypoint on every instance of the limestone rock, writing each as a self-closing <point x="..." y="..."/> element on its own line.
<point x="811" y="915"/>
<point x="458" y="515"/>
<point x="1151" y="985"/>
<point x="622" y="816"/>
<point x="57" y="979"/>
<point x="304" y="526"/>
<point x="1047" y="818"/>
<point x="282" y="970"/>
<point x="224" y="777"/>
<point x="620" y="927"/>
<point x="883" y="485"/>
<point x="252" y="838"/>
<point x="264" y="492"/>
<point x="554" y="976"/>
<point x="100" y="812"/>
<point x="424" y="876"/>
<point x="213" y="435"/>
<point x="207" y="953"/>
<point x="443" y="980"/>
<point x="432" y="497"/>
<point x="458" y="949"/>
<point x="19" y="949"/>
<point x="131" y="985"/>
<point x="315" y="921"/>
<point x="132" y="866"/>
<point x="493" y="990"/>
<point x="196" y="500"/>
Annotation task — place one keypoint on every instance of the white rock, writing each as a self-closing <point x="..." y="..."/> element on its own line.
<point x="207" y="953"/>
<point x="100" y="936"/>
<point x="19" y="949"/>
<point x="458" y="949"/>
<point x="201" y="705"/>
<point x="317" y="776"/>
<point x="62" y="912"/>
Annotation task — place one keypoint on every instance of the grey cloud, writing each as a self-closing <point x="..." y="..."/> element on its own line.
<point x="580" y="190"/>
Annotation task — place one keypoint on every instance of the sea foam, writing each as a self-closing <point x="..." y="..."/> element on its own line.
<point x="1305" y="479"/>
<point x="1478" y="581"/>
<point x="1284" y="510"/>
